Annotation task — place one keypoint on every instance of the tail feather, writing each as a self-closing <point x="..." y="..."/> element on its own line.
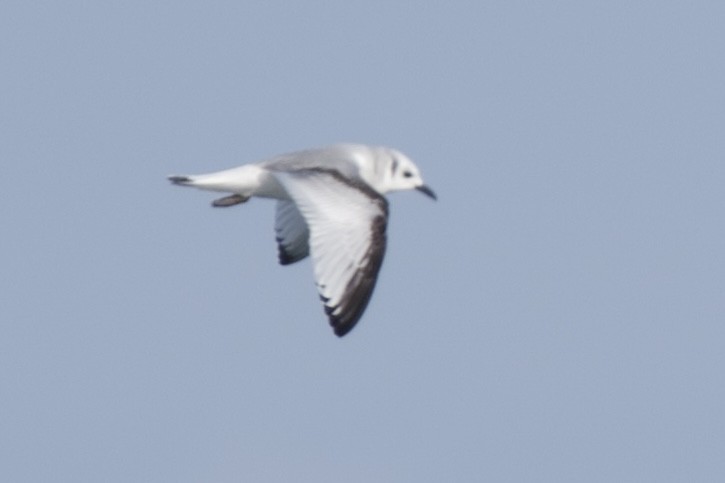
<point x="181" y="180"/>
<point x="244" y="179"/>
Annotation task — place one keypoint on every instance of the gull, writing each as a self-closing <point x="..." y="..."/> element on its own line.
<point x="331" y="206"/>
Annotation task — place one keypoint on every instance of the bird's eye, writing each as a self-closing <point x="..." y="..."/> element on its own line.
<point x="407" y="174"/>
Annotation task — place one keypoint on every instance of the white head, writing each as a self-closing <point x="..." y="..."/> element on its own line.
<point x="394" y="171"/>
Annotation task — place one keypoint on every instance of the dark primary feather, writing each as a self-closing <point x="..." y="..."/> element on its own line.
<point x="360" y="287"/>
<point x="357" y="292"/>
<point x="292" y="233"/>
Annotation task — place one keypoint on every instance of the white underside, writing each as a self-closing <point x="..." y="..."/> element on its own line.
<point x="249" y="180"/>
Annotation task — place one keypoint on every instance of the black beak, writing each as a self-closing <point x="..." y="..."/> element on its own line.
<point x="424" y="189"/>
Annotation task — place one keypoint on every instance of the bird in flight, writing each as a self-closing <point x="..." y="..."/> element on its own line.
<point x="331" y="206"/>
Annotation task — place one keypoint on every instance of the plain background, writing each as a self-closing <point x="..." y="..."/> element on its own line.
<point x="558" y="315"/>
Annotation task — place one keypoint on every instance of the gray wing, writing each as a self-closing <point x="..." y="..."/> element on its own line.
<point x="347" y="222"/>
<point x="292" y="233"/>
<point x="338" y="157"/>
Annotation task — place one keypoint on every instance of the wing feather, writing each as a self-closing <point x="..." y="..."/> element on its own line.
<point x="347" y="222"/>
<point x="292" y="233"/>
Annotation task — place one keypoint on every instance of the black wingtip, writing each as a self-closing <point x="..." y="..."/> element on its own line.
<point x="180" y="179"/>
<point x="342" y="330"/>
<point x="341" y="325"/>
<point x="284" y="258"/>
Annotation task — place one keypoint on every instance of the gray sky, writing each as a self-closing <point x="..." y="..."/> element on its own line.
<point x="556" y="316"/>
